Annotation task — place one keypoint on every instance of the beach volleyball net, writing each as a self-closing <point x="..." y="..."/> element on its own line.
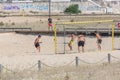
<point x="63" y="30"/>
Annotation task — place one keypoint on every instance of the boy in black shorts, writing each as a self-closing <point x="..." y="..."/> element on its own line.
<point x="36" y="43"/>
<point x="81" y="42"/>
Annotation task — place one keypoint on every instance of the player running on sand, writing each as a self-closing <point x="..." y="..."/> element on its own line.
<point x="37" y="43"/>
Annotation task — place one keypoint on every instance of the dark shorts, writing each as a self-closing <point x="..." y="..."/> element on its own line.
<point x="99" y="41"/>
<point x="81" y="43"/>
<point x="37" y="45"/>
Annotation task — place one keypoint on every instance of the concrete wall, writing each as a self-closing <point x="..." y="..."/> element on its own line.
<point x="56" y="7"/>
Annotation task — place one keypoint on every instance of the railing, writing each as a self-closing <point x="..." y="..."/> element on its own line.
<point x="77" y="61"/>
<point x="15" y="29"/>
<point x="91" y="30"/>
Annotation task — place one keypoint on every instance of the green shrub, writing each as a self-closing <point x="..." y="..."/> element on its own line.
<point x="72" y="9"/>
<point x="58" y="18"/>
<point x="12" y="23"/>
<point x="1" y="23"/>
<point x="72" y="20"/>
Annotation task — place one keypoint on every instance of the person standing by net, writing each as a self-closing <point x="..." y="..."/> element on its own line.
<point x="99" y="40"/>
<point x="70" y="44"/>
<point x="81" y="42"/>
<point x="50" y="26"/>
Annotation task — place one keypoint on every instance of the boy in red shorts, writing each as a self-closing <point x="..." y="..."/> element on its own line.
<point x="50" y="26"/>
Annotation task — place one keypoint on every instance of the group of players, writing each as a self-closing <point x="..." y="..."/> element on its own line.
<point x="81" y="41"/>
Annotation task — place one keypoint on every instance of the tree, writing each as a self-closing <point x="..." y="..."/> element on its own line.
<point x="72" y="9"/>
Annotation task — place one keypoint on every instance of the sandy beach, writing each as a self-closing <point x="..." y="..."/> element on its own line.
<point x="19" y="59"/>
<point x="18" y="49"/>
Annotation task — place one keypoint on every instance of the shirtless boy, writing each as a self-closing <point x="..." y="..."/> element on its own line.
<point x="99" y="40"/>
<point x="37" y="43"/>
<point x="81" y="42"/>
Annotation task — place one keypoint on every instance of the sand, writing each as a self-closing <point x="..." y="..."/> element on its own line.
<point x="18" y="51"/>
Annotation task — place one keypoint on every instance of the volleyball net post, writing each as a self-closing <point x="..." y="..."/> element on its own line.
<point x="55" y="38"/>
